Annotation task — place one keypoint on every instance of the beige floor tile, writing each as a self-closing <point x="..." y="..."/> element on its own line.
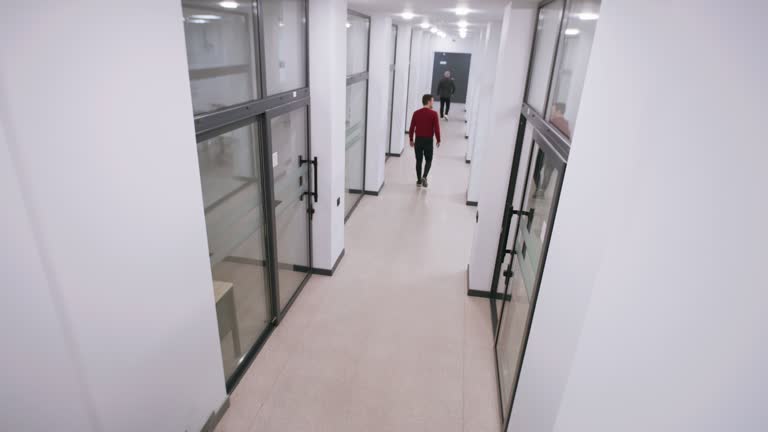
<point x="391" y="342"/>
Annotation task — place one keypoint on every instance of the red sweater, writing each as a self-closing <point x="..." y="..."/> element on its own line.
<point x="425" y="123"/>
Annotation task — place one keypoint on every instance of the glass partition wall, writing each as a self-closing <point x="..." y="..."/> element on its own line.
<point x="248" y="78"/>
<point x="558" y="64"/>
<point x="358" y="34"/>
<point x="391" y="93"/>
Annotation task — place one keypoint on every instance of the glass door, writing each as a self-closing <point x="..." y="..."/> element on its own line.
<point x="289" y="167"/>
<point x="524" y="268"/>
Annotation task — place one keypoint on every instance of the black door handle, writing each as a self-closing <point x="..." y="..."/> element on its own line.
<point x="302" y="161"/>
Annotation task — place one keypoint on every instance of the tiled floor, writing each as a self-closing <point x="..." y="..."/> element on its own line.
<point x="391" y="342"/>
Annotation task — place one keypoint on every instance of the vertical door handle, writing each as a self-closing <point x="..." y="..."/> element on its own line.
<point x="302" y="161"/>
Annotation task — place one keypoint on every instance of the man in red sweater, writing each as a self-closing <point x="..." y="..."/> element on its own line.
<point x="425" y="124"/>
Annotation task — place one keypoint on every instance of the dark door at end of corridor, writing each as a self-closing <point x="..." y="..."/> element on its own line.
<point x="458" y="65"/>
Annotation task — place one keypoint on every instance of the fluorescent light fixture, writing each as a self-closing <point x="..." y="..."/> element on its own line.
<point x="205" y="17"/>
<point x="463" y="24"/>
<point x="461" y="11"/>
<point x="588" y="16"/>
<point x="349" y="25"/>
<point x="433" y="30"/>
<point x="407" y="15"/>
<point x="197" y="21"/>
<point x="572" y="32"/>
<point x="425" y="25"/>
<point x="229" y="4"/>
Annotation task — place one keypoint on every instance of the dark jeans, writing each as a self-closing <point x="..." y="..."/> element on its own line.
<point x="445" y="102"/>
<point x="424" y="149"/>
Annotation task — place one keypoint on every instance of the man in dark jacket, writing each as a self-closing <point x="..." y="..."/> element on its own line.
<point x="445" y="89"/>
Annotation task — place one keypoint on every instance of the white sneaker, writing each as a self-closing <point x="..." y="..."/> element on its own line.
<point x="446" y="117"/>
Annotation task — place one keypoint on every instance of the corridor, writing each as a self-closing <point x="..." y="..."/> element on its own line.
<point x="391" y="342"/>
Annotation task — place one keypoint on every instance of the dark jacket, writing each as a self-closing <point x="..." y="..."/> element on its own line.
<point x="446" y="88"/>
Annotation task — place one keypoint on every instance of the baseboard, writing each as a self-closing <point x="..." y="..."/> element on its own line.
<point x="472" y="203"/>
<point x="375" y="193"/>
<point x="397" y="154"/>
<point x="326" y="272"/>
<point x="355" y="191"/>
<point x="216" y="417"/>
<point x="467" y="161"/>
<point x="466" y="136"/>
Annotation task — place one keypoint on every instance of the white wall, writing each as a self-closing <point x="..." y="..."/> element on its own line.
<point x="402" y="64"/>
<point x="378" y="101"/>
<point x="421" y="66"/>
<point x="109" y="220"/>
<point x="485" y="92"/>
<point x="651" y="312"/>
<point x="472" y="90"/>
<point x="327" y="83"/>
<point x="492" y="167"/>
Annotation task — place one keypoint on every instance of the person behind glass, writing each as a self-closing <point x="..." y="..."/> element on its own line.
<point x="424" y="124"/>
<point x="445" y="89"/>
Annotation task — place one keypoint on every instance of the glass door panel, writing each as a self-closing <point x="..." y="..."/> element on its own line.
<point x="355" y="143"/>
<point x="535" y="224"/>
<point x="545" y="42"/>
<point x="288" y="135"/>
<point x="234" y="215"/>
<point x="573" y="58"/>
<point x="220" y="54"/>
<point x="285" y="44"/>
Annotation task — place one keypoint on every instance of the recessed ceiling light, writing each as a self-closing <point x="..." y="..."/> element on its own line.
<point x="442" y="35"/>
<point x="461" y="11"/>
<point x="463" y="24"/>
<point x="197" y="21"/>
<point x="463" y="35"/>
<point x="205" y="17"/>
<point x="588" y="16"/>
<point x="407" y="15"/>
<point x="349" y="25"/>
<point x="229" y="4"/>
<point x="425" y="25"/>
<point x="572" y="32"/>
<point x="433" y="30"/>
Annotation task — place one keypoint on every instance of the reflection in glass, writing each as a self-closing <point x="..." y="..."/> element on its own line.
<point x="220" y="54"/>
<point x="285" y="48"/>
<point x="355" y="143"/>
<point x="291" y="181"/>
<point x="543" y="178"/>
<point x="547" y="32"/>
<point x="357" y="44"/>
<point x="568" y="81"/>
<point x="234" y="218"/>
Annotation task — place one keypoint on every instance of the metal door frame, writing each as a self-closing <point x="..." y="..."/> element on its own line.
<point x="260" y="111"/>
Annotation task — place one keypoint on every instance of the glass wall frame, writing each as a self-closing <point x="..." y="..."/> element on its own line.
<point x="257" y="114"/>
<point x="538" y="139"/>
<point x="393" y="73"/>
<point x="355" y="192"/>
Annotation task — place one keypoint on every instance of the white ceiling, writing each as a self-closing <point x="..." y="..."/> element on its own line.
<point x="440" y="12"/>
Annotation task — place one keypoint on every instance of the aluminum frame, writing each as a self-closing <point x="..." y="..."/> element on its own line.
<point x="550" y="140"/>
<point x="261" y="111"/>
<point x="352" y="79"/>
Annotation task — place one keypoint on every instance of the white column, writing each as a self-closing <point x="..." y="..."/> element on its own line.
<point x="110" y="275"/>
<point x="474" y="74"/>
<point x="399" y="108"/>
<point x="377" y="133"/>
<point x="327" y="83"/>
<point x="492" y="168"/>
<point x="651" y="312"/>
<point x="485" y="93"/>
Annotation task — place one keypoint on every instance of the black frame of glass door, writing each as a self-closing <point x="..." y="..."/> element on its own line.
<point x="553" y="145"/>
<point x="550" y="140"/>
<point x="522" y="125"/>
<point x="352" y="79"/>
<point x="211" y="124"/>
